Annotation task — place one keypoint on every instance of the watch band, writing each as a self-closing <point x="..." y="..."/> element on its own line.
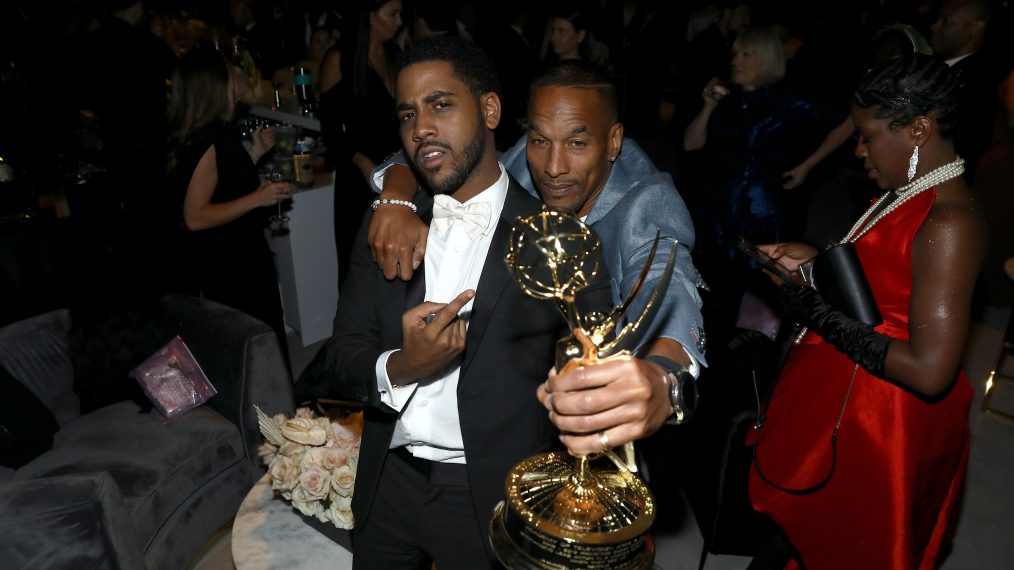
<point x="682" y="387"/>
<point x="666" y="364"/>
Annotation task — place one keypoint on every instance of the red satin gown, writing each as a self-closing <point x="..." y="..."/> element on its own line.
<point x="892" y="499"/>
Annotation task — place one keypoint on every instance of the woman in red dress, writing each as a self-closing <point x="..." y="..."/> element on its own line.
<point x="860" y="455"/>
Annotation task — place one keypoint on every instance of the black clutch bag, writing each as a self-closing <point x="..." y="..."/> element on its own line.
<point x="839" y="277"/>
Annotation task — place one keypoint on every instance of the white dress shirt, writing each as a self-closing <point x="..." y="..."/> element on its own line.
<point x="429" y="424"/>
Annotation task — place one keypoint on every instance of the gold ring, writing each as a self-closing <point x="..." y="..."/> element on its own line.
<point x="604" y="439"/>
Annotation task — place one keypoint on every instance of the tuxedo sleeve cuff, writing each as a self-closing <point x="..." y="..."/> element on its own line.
<point x="394" y="396"/>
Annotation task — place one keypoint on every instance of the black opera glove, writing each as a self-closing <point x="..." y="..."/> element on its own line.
<point x="865" y="346"/>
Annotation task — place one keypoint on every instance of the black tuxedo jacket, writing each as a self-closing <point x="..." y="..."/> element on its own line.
<point x="509" y="350"/>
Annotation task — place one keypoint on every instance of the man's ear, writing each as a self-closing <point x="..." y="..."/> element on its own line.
<point x="615" y="140"/>
<point x="489" y="103"/>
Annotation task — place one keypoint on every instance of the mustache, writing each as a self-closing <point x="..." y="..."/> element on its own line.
<point x="545" y="180"/>
<point x="430" y="145"/>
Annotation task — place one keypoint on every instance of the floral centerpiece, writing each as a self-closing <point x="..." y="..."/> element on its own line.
<point x="312" y="461"/>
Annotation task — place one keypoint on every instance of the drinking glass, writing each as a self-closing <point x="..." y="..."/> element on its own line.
<point x="279" y="220"/>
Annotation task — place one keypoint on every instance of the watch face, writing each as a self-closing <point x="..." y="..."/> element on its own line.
<point x="688" y="393"/>
<point x="683" y="395"/>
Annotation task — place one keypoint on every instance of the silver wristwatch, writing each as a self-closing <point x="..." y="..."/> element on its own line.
<point x="682" y="386"/>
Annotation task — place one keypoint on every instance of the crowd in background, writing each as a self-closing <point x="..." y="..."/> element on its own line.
<point x="83" y="94"/>
<point x="746" y="104"/>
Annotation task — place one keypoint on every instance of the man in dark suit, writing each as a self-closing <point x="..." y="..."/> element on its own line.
<point x="448" y="383"/>
<point x="958" y="37"/>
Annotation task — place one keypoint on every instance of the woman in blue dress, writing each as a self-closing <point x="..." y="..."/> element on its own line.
<point x="747" y="130"/>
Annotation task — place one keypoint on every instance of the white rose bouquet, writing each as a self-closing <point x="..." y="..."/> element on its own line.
<point x="312" y="461"/>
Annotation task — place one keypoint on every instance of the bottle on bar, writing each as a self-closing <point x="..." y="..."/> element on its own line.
<point x="304" y="92"/>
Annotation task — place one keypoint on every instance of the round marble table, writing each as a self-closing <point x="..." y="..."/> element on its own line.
<point x="268" y="535"/>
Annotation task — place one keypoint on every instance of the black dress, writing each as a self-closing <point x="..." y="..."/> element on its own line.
<point x="231" y="263"/>
<point x="369" y="127"/>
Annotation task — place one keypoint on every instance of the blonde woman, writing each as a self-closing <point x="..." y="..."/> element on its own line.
<point x="743" y="132"/>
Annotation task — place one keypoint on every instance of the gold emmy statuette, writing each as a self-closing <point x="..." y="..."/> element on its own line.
<point x="563" y="510"/>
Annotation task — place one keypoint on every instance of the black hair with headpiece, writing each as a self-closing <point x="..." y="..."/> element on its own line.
<point x="470" y="64"/>
<point x="906" y="87"/>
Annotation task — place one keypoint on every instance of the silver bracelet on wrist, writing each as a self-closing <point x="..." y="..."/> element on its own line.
<point x="405" y="203"/>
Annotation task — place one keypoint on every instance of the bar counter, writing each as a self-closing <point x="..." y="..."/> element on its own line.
<point x="307" y="261"/>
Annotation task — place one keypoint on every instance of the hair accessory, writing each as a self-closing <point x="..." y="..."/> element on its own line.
<point x="405" y="203"/>
<point x="913" y="162"/>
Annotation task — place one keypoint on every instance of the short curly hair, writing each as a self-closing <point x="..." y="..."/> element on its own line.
<point x="908" y="86"/>
<point x="470" y="64"/>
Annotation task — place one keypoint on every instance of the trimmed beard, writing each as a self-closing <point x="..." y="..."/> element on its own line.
<point x="472" y="155"/>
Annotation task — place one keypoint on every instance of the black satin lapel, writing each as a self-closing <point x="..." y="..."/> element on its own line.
<point x="495" y="275"/>
<point x="492" y="282"/>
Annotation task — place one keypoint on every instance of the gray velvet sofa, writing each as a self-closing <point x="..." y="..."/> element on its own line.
<point x="126" y="490"/>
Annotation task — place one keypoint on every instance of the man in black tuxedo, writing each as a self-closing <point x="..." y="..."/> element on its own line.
<point x="447" y="364"/>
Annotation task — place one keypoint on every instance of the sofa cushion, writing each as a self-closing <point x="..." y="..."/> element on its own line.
<point x="26" y="424"/>
<point x="35" y="352"/>
<point x="76" y="521"/>
<point x="156" y="463"/>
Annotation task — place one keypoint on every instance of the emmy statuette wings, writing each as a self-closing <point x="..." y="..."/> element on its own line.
<point x="554" y="235"/>
<point x="564" y="510"/>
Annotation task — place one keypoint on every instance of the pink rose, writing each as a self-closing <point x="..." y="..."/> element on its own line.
<point x="283" y="473"/>
<point x="343" y="480"/>
<point x="333" y="458"/>
<point x="348" y="430"/>
<point x="315" y="481"/>
<point x="340" y="512"/>
<point x="314" y="457"/>
<point x="306" y="504"/>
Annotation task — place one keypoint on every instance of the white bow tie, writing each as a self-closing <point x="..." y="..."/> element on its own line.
<point x="447" y="211"/>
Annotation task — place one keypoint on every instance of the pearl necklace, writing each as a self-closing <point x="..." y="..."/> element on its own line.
<point x="904" y="194"/>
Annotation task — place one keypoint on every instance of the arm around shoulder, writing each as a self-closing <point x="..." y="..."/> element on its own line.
<point x="397" y="236"/>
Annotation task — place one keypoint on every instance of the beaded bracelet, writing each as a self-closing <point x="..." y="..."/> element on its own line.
<point x="405" y="203"/>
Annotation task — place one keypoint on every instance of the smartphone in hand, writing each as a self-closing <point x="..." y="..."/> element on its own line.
<point x="765" y="261"/>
